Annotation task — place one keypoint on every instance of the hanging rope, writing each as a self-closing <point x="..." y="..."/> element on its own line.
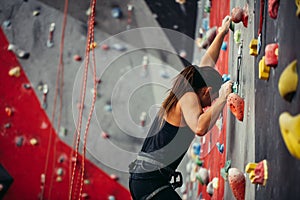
<point x="90" y="41"/>
<point x="58" y="87"/>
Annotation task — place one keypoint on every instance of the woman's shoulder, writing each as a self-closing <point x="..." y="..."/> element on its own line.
<point x="189" y="97"/>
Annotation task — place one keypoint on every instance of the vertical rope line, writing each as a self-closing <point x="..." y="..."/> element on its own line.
<point x="58" y="83"/>
<point x="83" y="93"/>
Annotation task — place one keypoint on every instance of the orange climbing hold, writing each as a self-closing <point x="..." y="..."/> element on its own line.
<point x="236" y="105"/>
<point x="9" y="111"/>
<point x="237" y="183"/>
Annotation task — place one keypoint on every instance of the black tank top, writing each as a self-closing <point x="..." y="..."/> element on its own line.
<point x="167" y="143"/>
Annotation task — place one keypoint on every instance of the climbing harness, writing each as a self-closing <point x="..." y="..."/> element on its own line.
<point x="174" y="177"/>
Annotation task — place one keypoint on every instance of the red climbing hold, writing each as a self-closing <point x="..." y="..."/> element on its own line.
<point x="104" y="135"/>
<point x="114" y="177"/>
<point x="237" y="183"/>
<point x="240" y="15"/>
<point x="236" y="105"/>
<point x="104" y="47"/>
<point x="77" y="57"/>
<point x="273" y="6"/>
<point x="271" y="55"/>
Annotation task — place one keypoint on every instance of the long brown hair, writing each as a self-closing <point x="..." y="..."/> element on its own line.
<point x="190" y="79"/>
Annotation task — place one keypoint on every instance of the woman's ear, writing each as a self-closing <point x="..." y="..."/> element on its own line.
<point x="208" y="90"/>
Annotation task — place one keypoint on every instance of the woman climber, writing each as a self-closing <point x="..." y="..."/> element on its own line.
<point x="153" y="174"/>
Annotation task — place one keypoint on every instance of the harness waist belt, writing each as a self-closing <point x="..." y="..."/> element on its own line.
<point x="150" y="160"/>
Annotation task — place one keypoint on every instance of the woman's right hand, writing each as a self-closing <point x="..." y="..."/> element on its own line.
<point x="225" y="90"/>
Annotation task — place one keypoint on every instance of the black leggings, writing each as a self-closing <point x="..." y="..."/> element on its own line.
<point x="140" y="189"/>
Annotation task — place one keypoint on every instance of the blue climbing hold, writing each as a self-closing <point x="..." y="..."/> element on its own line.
<point x="220" y="147"/>
<point x="225" y="77"/>
<point x="196" y="148"/>
<point x="224" y="46"/>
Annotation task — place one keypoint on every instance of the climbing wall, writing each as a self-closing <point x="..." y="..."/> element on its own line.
<point x="208" y="153"/>
<point x="284" y="30"/>
<point x="215" y="160"/>
<point x="25" y="134"/>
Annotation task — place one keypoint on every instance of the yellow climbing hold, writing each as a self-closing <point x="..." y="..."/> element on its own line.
<point x="16" y="71"/>
<point x="290" y="131"/>
<point x="288" y="81"/>
<point x="93" y="45"/>
<point x="263" y="70"/>
<point x="298" y="8"/>
<point x="253" y="47"/>
<point x="33" y="141"/>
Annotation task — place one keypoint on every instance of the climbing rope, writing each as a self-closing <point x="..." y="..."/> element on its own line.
<point x="261" y="20"/>
<point x="89" y="48"/>
<point x="58" y="87"/>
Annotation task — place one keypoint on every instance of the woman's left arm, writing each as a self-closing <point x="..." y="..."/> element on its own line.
<point x="211" y="56"/>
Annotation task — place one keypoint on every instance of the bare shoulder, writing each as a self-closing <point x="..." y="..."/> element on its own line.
<point x="189" y="98"/>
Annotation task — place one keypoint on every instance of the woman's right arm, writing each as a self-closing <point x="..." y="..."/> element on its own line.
<point x="201" y="122"/>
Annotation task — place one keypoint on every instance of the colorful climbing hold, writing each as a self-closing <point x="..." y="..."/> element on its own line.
<point x="253" y="47"/>
<point x="273" y="6"/>
<point x="85" y="195"/>
<point x="20" y="53"/>
<point x="224" y="46"/>
<point x="288" y="81"/>
<point x="58" y="179"/>
<point x="215" y="182"/>
<point x="271" y="55"/>
<point x="104" y="135"/>
<point x="210" y="188"/>
<point x="202" y="176"/>
<point x="50" y="41"/>
<point x="225" y="169"/>
<point x="236" y="105"/>
<point x="263" y="69"/>
<point x="114" y="177"/>
<point x="239" y="14"/>
<point x="196" y="148"/>
<point x="19" y="141"/>
<point x="93" y="45"/>
<point x="220" y="147"/>
<point x="87" y="181"/>
<point x="237" y="183"/>
<point x="33" y="141"/>
<point x="16" y="71"/>
<point x="298" y="8"/>
<point x="104" y="47"/>
<point x="9" y="111"/>
<point x="225" y="77"/>
<point x="290" y="132"/>
<point x="237" y="36"/>
<point x="77" y="57"/>
<point x="111" y="197"/>
<point x="258" y="172"/>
